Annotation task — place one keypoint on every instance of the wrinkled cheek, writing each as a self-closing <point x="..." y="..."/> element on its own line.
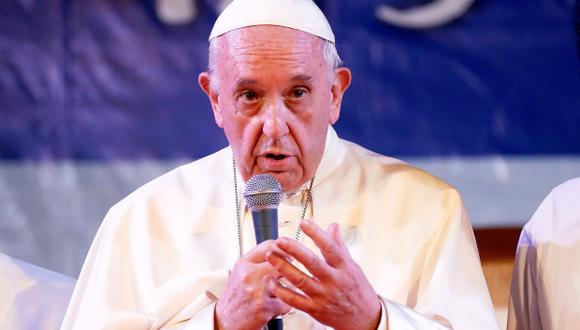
<point x="246" y="160"/>
<point x="295" y="171"/>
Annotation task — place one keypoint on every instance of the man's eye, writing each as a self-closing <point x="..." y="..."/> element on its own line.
<point x="299" y="93"/>
<point x="249" y="96"/>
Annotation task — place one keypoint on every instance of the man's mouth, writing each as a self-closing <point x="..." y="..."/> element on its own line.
<point x="274" y="162"/>
<point x="276" y="156"/>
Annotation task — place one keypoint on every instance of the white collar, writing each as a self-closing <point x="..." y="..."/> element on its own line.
<point x="334" y="151"/>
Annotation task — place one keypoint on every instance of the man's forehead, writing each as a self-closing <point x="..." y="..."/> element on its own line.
<point x="249" y="53"/>
<point x="260" y="43"/>
<point x="298" y="78"/>
<point x="267" y="35"/>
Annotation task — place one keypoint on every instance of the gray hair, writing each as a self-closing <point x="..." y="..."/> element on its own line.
<point x="329" y="53"/>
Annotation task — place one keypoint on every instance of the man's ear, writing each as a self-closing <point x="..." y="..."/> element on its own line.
<point x="204" y="81"/>
<point x="342" y="79"/>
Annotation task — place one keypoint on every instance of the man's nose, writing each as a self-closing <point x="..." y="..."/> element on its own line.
<point x="275" y="123"/>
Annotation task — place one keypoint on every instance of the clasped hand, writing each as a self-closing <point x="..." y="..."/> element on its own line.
<point x="337" y="293"/>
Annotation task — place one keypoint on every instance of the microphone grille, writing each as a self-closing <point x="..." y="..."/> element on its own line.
<point x="263" y="191"/>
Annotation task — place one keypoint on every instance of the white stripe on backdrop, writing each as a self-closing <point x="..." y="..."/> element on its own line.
<point x="50" y="211"/>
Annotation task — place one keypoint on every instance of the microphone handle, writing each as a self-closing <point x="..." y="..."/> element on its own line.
<point x="275" y="324"/>
<point x="265" y="228"/>
<point x="265" y="224"/>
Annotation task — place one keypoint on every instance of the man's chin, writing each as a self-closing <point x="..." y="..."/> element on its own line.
<point x="287" y="180"/>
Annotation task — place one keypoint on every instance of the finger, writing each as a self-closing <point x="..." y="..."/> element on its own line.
<point x="249" y="275"/>
<point x="316" y="266"/>
<point x="269" y="306"/>
<point x="258" y="253"/>
<point x="288" y="296"/>
<point x="277" y="307"/>
<point x="272" y="299"/>
<point x="334" y="232"/>
<point x="294" y="275"/>
<point x="328" y="247"/>
<point x="267" y="291"/>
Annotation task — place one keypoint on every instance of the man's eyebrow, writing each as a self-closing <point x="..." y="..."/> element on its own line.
<point x="301" y="77"/>
<point x="246" y="82"/>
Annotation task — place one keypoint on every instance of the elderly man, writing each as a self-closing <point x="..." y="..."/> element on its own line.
<point x="180" y="252"/>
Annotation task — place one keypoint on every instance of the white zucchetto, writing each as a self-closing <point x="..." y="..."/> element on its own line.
<point x="301" y="15"/>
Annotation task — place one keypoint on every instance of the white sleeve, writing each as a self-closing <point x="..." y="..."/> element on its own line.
<point x="401" y="317"/>
<point x="446" y="288"/>
<point x="120" y="287"/>
<point x="203" y="320"/>
<point x="523" y="311"/>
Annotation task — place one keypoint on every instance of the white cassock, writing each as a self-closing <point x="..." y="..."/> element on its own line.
<point x="545" y="291"/>
<point x="162" y="255"/>
<point x="31" y="298"/>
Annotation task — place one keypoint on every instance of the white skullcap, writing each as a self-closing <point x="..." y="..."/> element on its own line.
<point x="301" y="15"/>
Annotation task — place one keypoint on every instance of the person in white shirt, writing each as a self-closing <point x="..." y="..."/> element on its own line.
<point x="31" y="297"/>
<point x="399" y="252"/>
<point x="545" y="291"/>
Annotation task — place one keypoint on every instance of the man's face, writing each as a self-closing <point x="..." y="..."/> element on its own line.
<point x="275" y="101"/>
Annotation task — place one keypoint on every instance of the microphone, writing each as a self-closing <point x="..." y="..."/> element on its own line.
<point x="263" y="194"/>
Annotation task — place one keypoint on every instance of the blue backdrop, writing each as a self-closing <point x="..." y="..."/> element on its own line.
<point x="100" y="80"/>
